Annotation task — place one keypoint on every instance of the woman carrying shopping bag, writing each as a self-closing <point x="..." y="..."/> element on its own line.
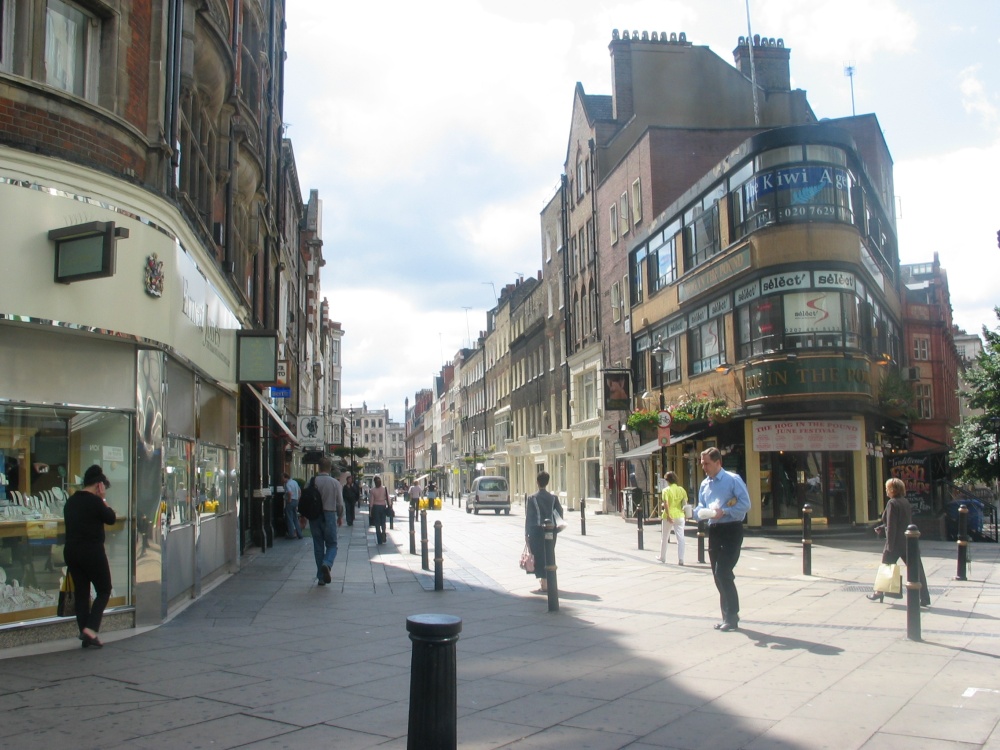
<point x="896" y="517"/>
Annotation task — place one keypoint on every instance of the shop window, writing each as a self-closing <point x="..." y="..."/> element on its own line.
<point x="44" y="453"/>
<point x="761" y="324"/>
<point x="180" y="489"/>
<point x="705" y="346"/>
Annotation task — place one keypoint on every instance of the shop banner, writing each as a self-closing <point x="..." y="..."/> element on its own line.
<point x="808" y="435"/>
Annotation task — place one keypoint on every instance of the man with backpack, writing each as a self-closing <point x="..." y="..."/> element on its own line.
<point x="324" y="526"/>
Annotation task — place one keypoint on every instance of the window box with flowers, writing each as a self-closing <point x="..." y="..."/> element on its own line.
<point x="643" y="420"/>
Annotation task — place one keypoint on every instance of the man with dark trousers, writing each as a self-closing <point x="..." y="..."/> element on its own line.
<point x="352" y="496"/>
<point x="723" y="500"/>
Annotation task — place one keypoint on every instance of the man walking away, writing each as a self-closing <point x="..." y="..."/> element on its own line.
<point x="292" y="494"/>
<point x="324" y="527"/>
<point x="352" y="496"/>
<point x="723" y="500"/>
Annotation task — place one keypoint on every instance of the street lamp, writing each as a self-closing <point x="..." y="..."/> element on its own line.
<point x="350" y="416"/>
<point x="660" y="354"/>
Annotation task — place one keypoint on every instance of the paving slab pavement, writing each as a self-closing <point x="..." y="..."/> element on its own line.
<point x="267" y="659"/>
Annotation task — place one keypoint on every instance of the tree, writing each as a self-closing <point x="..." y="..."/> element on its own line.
<point x="977" y="440"/>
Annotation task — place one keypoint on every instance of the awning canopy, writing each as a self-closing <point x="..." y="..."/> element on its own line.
<point x="421" y="478"/>
<point x="648" y="449"/>
<point x="274" y="415"/>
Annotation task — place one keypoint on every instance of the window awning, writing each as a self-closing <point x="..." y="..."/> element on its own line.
<point x="274" y="415"/>
<point x="648" y="449"/>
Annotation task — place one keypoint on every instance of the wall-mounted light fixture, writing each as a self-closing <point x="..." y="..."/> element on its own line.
<point x="884" y="359"/>
<point x="723" y="368"/>
<point x="86" y="251"/>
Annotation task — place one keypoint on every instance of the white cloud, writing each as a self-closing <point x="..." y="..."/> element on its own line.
<point x="837" y="31"/>
<point x="975" y="98"/>
<point x="949" y="205"/>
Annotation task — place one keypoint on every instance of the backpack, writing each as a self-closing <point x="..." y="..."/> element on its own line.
<point x="311" y="501"/>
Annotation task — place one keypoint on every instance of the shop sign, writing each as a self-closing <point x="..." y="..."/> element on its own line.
<point x="716" y="274"/>
<point x="835" y="280"/>
<point x="807" y="377"/>
<point x="311" y="429"/>
<point x="915" y="471"/>
<point x="812" y="312"/>
<point x="808" y="435"/>
<point x="748" y="293"/>
<point x="783" y="282"/>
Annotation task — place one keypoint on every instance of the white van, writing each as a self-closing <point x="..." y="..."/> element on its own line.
<point x="488" y="493"/>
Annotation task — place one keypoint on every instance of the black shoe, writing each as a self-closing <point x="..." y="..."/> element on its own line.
<point x="729" y="627"/>
<point x="326" y="574"/>
<point x="88" y="641"/>
<point x="875" y="596"/>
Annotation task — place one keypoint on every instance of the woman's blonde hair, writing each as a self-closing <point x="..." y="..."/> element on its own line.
<point x="894" y="487"/>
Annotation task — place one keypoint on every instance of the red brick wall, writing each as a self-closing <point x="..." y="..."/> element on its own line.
<point x="137" y="61"/>
<point x="26" y="126"/>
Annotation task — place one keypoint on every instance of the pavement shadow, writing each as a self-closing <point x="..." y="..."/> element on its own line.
<point x="782" y="643"/>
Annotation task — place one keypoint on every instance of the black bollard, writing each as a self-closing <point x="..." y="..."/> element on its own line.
<point x="702" y="526"/>
<point x="583" y="516"/>
<point x="807" y="560"/>
<point x="640" y="512"/>
<point x="438" y="559"/>
<point x="913" y="585"/>
<point x="433" y="720"/>
<point x="413" y="534"/>
<point x="963" y="542"/>
<point x="424" y="563"/>
<point x="550" y="564"/>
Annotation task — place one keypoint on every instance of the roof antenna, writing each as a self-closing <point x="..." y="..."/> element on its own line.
<point x="849" y="72"/>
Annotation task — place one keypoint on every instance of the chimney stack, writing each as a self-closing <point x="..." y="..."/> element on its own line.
<point x="770" y="61"/>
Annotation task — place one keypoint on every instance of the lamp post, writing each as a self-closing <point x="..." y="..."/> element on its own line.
<point x="350" y="415"/>
<point x="660" y="354"/>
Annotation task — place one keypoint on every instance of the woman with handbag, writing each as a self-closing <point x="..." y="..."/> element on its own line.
<point x="539" y="507"/>
<point x="896" y="517"/>
<point x="672" y="501"/>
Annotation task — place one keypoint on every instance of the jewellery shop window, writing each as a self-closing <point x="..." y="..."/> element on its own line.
<point x="179" y="481"/>
<point x="44" y="452"/>
<point x="211" y="480"/>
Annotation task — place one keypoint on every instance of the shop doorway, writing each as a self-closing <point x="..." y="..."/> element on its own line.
<point x="823" y="479"/>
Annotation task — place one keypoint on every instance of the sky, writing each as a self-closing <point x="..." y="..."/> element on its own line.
<point x="436" y="131"/>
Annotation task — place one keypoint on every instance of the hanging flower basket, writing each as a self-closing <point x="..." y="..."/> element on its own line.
<point x="720" y="415"/>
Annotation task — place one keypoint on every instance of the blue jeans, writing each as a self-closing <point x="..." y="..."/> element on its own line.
<point x="324" y="534"/>
<point x="292" y="519"/>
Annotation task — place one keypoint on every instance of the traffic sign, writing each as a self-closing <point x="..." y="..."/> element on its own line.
<point x="281" y="392"/>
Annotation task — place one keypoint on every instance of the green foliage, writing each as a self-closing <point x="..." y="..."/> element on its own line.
<point x="896" y="394"/>
<point x="643" y="419"/>
<point x="976" y="457"/>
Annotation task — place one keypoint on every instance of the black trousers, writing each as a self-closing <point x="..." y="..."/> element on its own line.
<point x="89" y="566"/>
<point x="724" y="543"/>
<point x="925" y="595"/>
<point x="349" y="508"/>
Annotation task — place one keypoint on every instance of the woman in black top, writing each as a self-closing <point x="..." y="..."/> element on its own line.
<point x="86" y="514"/>
<point x="896" y="518"/>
